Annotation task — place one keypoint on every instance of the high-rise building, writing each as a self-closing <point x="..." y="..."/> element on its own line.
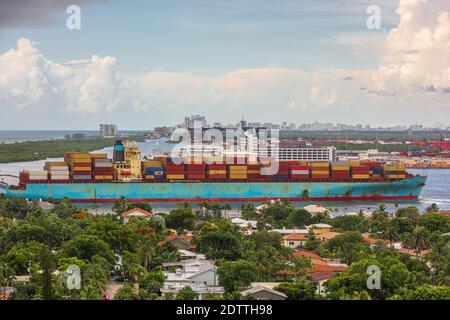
<point x="108" y="130"/>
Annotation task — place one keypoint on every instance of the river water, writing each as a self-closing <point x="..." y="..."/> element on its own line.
<point x="436" y="190"/>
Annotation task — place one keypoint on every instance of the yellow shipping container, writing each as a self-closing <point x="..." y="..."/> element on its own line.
<point x="360" y="176"/>
<point x="238" y="177"/>
<point x="175" y="176"/>
<point x="83" y="168"/>
<point x="320" y="172"/>
<point x="253" y="171"/>
<point x="152" y="163"/>
<point x="217" y="171"/>
<point x="55" y="164"/>
<point x="402" y="176"/>
<point x="394" y="168"/>
<point x="319" y="164"/>
<point x="79" y="155"/>
<point x="149" y="177"/>
<point x="354" y="163"/>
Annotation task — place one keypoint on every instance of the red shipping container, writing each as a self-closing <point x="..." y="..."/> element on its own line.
<point x="82" y="173"/>
<point x="320" y="176"/>
<point x="360" y="170"/>
<point x="300" y="176"/>
<point x="298" y="167"/>
<point x="216" y="166"/>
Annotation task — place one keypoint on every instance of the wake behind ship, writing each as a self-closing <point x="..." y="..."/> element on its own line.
<point x="84" y="177"/>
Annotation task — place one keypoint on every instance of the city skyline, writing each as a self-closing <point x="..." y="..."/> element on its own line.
<point x="151" y="63"/>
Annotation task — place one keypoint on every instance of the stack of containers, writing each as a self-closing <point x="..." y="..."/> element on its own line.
<point x="196" y="171"/>
<point x="254" y="171"/>
<point x="80" y="165"/>
<point x="237" y="172"/>
<point x="103" y="169"/>
<point x="217" y="171"/>
<point x="394" y="171"/>
<point x="299" y="172"/>
<point x="175" y="171"/>
<point x="359" y="172"/>
<point x="58" y="171"/>
<point x="38" y="176"/>
<point x="320" y="170"/>
<point x="375" y="168"/>
<point x="340" y="170"/>
<point x="283" y="170"/>
<point x="153" y="170"/>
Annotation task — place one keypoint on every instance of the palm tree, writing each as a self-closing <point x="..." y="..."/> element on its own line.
<point x="146" y="251"/>
<point x="417" y="239"/>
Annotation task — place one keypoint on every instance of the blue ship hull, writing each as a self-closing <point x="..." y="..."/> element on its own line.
<point x="220" y="191"/>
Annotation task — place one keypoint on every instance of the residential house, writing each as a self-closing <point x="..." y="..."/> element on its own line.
<point x="320" y="228"/>
<point x="200" y="275"/>
<point x="285" y="231"/>
<point x="294" y="240"/>
<point x="245" y="224"/>
<point x="315" y="209"/>
<point x="262" y="292"/>
<point x="135" y="212"/>
<point x="327" y="235"/>
<point x="190" y="255"/>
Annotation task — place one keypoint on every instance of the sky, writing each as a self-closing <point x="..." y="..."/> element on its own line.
<point x="143" y="64"/>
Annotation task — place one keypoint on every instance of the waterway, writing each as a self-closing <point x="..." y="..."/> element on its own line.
<point x="436" y="190"/>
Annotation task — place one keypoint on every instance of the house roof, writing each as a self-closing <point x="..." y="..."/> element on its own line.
<point x="328" y="235"/>
<point x="319" y="226"/>
<point x="313" y="208"/>
<point x="305" y="253"/>
<point x="445" y="212"/>
<point x="412" y="252"/>
<point x="372" y="241"/>
<point x="322" y="275"/>
<point x="137" y="212"/>
<point x="257" y="289"/>
<point x="295" y="237"/>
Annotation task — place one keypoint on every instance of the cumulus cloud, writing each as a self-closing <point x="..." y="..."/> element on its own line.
<point x="28" y="80"/>
<point x="417" y="51"/>
<point x="269" y="90"/>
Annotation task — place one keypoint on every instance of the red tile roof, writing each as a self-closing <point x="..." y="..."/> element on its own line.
<point x="144" y="212"/>
<point x="295" y="237"/>
<point x="372" y="241"/>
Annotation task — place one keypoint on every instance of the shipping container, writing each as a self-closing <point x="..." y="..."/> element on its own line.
<point x="175" y="176"/>
<point x="360" y="176"/>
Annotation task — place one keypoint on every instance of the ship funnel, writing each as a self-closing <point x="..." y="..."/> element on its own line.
<point x="119" y="151"/>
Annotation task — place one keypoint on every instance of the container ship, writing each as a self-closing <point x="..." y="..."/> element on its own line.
<point x="92" y="177"/>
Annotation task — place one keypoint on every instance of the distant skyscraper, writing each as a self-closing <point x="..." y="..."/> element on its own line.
<point x="108" y="130"/>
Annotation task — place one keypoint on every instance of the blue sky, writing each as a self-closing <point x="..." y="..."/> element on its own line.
<point x="207" y="38"/>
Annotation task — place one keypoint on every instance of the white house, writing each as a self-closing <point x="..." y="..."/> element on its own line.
<point x="200" y="275"/>
<point x="242" y="223"/>
<point x="135" y="212"/>
<point x="315" y="208"/>
<point x="294" y="240"/>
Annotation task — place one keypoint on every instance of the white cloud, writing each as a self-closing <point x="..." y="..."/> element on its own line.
<point x="417" y="51"/>
<point x="28" y="80"/>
